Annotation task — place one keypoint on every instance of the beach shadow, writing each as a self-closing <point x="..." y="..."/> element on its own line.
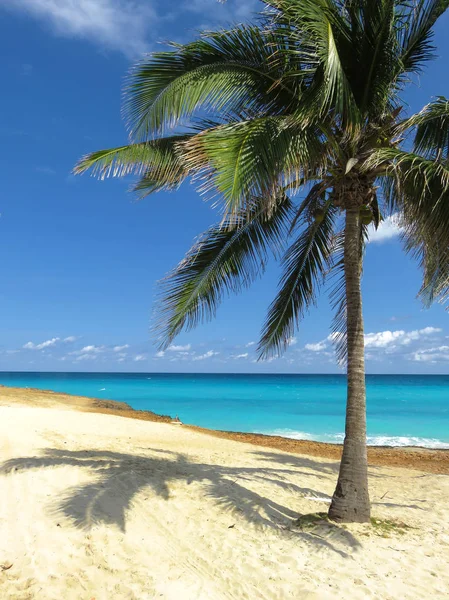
<point x="119" y="477"/>
<point x="303" y="462"/>
<point x="299" y="462"/>
<point x="395" y="505"/>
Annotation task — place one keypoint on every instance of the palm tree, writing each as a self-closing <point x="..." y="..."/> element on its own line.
<point x="305" y="102"/>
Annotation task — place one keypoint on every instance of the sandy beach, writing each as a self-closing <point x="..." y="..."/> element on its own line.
<point x="98" y="506"/>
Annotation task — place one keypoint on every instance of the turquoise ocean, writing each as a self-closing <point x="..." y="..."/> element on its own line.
<point x="403" y="410"/>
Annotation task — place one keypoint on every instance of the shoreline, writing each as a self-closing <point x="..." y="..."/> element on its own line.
<point x="429" y="460"/>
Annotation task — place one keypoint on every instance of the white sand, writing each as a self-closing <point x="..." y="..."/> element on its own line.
<point x="96" y="506"/>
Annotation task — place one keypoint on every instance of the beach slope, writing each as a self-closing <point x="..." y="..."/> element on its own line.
<point x="96" y="506"/>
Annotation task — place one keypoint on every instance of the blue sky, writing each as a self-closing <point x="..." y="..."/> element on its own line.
<point x="80" y="258"/>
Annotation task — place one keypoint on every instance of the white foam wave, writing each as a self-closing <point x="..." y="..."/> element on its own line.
<point x="372" y="440"/>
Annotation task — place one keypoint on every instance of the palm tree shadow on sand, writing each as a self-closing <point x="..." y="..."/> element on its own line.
<point x="119" y="477"/>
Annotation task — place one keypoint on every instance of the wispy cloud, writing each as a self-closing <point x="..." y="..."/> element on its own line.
<point x="86" y="356"/>
<point x="91" y="349"/>
<point x="120" y="348"/>
<point x="69" y="339"/>
<point x="129" y="26"/>
<point x="42" y="345"/>
<point x="206" y="355"/>
<point x="318" y="347"/>
<point x="139" y="357"/>
<point x="432" y="355"/>
<point x="249" y="344"/>
<point x="174" y="348"/>
<point x="115" y="24"/>
<point x="237" y="356"/>
<point x="160" y="354"/>
<point x="388" y="229"/>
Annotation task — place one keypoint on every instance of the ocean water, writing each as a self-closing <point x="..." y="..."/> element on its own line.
<point x="403" y="410"/>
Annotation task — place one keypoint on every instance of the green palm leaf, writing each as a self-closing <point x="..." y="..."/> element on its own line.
<point x="415" y="39"/>
<point x="157" y="159"/>
<point x="319" y="33"/>
<point x="254" y="158"/>
<point x="418" y="187"/>
<point x="229" y="72"/>
<point x="227" y="258"/>
<point x="304" y="264"/>
<point x="432" y="129"/>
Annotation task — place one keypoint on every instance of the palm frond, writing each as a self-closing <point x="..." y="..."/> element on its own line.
<point x="415" y="32"/>
<point x="157" y="159"/>
<point x="375" y="46"/>
<point x="254" y="158"/>
<point x="321" y="39"/>
<point x="419" y="188"/>
<point x="304" y="264"/>
<point x="433" y="258"/>
<point x="230" y="72"/>
<point x="432" y="130"/>
<point x="227" y="258"/>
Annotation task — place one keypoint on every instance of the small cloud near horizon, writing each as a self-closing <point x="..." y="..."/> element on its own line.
<point x="174" y="348"/>
<point x="42" y="345"/>
<point x="206" y="355"/>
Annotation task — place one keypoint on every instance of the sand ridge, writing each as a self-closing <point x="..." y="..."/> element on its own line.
<point x="424" y="459"/>
<point x="97" y="506"/>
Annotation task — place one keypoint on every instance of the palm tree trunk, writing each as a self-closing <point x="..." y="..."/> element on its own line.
<point x="350" y="502"/>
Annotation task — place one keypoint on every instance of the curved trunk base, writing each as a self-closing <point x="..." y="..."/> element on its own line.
<point x="350" y="502"/>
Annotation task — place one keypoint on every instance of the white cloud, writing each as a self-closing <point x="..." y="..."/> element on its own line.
<point x="244" y="355"/>
<point x="116" y="24"/>
<point x="318" y="347"/>
<point x="86" y="356"/>
<point x="174" y="348"/>
<point x="120" y="359"/>
<point x="249" y="344"/>
<point x="42" y="345"/>
<point x="160" y="354"/>
<point x="139" y="357"/>
<point x="120" y="348"/>
<point x="292" y="341"/>
<point x="438" y="354"/>
<point x="94" y="349"/>
<point x="129" y="26"/>
<point x="70" y="339"/>
<point x="388" y="229"/>
<point x="91" y="349"/>
<point x="207" y="354"/>
<point x="384" y="339"/>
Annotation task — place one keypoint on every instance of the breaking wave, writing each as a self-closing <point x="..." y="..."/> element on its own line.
<point x="373" y="440"/>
